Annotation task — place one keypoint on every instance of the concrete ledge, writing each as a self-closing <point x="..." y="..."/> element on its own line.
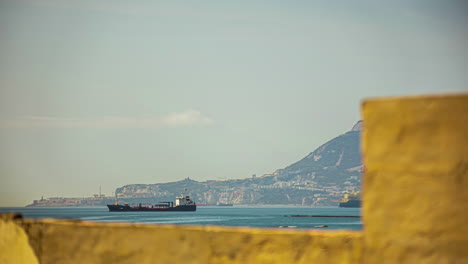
<point x="56" y="241"/>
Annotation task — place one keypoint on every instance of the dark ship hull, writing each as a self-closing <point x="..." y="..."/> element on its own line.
<point x="351" y="203"/>
<point x="127" y="208"/>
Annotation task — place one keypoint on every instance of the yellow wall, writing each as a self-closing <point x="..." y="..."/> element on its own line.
<point x="415" y="192"/>
<point x="14" y="244"/>
<point x="83" y="242"/>
<point x="415" y="208"/>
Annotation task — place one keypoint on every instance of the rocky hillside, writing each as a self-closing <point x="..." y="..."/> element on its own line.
<point x="320" y="178"/>
<point x="336" y="162"/>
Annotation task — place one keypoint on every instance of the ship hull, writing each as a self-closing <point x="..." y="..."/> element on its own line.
<point x="351" y="203"/>
<point x="127" y="208"/>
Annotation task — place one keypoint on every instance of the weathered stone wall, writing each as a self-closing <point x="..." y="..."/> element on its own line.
<point x="83" y="242"/>
<point x="14" y="243"/>
<point x="415" y="189"/>
<point x="415" y="208"/>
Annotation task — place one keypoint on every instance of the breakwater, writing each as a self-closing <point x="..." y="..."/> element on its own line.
<point x="337" y="216"/>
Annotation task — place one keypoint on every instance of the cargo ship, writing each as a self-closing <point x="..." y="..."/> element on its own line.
<point x="351" y="203"/>
<point x="352" y="200"/>
<point x="182" y="204"/>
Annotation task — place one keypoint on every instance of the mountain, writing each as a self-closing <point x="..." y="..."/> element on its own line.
<point x="334" y="163"/>
<point x="320" y="178"/>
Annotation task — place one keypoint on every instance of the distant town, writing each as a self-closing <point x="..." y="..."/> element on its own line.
<point x="95" y="200"/>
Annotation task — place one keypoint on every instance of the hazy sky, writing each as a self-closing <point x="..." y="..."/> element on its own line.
<point x="117" y="92"/>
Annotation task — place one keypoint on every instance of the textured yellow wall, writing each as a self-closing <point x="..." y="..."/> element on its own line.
<point x="84" y="242"/>
<point x="415" y="207"/>
<point x="14" y="246"/>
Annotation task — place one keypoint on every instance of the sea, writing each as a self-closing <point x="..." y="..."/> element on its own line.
<point x="249" y="216"/>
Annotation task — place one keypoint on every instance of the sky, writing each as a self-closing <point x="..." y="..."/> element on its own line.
<point x="108" y="92"/>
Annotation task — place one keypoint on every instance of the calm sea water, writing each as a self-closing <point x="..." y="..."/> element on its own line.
<point x="267" y="217"/>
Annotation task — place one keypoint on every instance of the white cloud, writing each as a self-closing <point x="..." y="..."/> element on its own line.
<point x="189" y="117"/>
<point x="178" y="119"/>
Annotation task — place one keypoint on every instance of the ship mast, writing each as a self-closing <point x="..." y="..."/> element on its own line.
<point x="116" y="199"/>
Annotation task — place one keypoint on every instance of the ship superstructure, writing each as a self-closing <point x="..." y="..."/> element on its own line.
<point x="351" y="200"/>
